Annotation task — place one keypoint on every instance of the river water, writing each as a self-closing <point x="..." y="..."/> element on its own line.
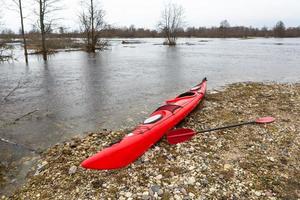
<point x="75" y="92"/>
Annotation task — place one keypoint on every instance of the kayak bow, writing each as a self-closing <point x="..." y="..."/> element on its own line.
<point x="135" y="144"/>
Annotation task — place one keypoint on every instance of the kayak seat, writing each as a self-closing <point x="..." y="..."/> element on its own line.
<point x="168" y="107"/>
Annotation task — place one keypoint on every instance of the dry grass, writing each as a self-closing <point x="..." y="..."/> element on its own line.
<point x="54" y="44"/>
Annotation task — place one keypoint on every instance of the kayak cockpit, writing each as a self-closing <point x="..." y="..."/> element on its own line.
<point x="186" y="94"/>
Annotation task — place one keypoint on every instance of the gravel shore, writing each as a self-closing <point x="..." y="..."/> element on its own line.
<point x="249" y="162"/>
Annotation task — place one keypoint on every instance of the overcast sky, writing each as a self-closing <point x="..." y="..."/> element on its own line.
<point x="145" y="13"/>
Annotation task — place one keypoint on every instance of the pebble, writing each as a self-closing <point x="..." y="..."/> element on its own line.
<point x="158" y="177"/>
<point x="156" y="189"/>
<point x="271" y="159"/>
<point x="257" y="193"/>
<point x="72" y="170"/>
<point x="191" y="180"/>
<point x="227" y="167"/>
<point x="128" y="194"/>
<point x="177" y="197"/>
<point x="191" y="194"/>
<point x="183" y="191"/>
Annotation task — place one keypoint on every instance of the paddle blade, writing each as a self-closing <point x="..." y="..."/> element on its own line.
<point x="264" y="120"/>
<point x="180" y="135"/>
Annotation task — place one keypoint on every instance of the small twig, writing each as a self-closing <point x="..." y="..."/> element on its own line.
<point x="29" y="113"/>
<point x="19" y="145"/>
<point x="12" y="91"/>
<point x="17" y="119"/>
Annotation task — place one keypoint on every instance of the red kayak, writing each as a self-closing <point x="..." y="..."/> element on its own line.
<point x="135" y="144"/>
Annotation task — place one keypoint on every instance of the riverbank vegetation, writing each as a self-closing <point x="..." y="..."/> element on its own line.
<point x="249" y="162"/>
<point x="6" y="52"/>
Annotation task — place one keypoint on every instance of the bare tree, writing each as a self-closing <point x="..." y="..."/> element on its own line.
<point x="172" y="20"/>
<point x="18" y="3"/>
<point x="279" y="29"/>
<point x="92" y="24"/>
<point x="224" y="26"/>
<point x="46" y="20"/>
<point x="4" y="48"/>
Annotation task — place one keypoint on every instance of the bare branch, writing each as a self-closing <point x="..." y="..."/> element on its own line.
<point x="92" y="24"/>
<point x="172" y="20"/>
<point x="12" y="91"/>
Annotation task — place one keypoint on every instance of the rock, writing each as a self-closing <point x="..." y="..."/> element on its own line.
<point x="160" y="192"/>
<point x="158" y="177"/>
<point x="257" y="193"/>
<point x="191" y="194"/>
<point x="72" y="170"/>
<point x="271" y="159"/>
<point x="177" y="197"/>
<point x="128" y="194"/>
<point x="155" y="188"/>
<point x="191" y="180"/>
<point x="227" y="167"/>
<point x="183" y="191"/>
<point x="146" y="197"/>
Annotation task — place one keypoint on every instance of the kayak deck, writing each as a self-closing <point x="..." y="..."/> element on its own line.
<point x="133" y="145"/>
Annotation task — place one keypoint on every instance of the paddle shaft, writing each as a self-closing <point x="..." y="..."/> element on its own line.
<point x="225" y="127"/>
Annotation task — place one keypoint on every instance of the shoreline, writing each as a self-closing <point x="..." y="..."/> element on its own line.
<point x="251" y="161"/>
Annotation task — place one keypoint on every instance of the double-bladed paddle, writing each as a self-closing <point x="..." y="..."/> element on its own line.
<point x="183" y="134"/>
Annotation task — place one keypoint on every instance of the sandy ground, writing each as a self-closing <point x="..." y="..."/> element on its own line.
<point x="249" y="162"/>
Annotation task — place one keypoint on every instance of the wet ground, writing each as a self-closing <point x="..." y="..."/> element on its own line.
<point x="75" y="92"/>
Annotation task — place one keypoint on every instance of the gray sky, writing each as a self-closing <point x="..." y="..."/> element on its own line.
<point x="145" y="13"/>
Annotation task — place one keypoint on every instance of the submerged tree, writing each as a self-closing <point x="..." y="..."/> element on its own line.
<point x="92" y="24"/>
<point x="46" y="20"/>
<point x="172" y="20"/>
<point x="279" y="29"/>
<point x="224" y="26"/>
<point x="18" y="4"/>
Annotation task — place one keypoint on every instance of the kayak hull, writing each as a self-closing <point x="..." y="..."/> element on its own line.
<point x="135" y="144"/>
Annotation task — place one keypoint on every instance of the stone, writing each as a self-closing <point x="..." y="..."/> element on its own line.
<point x="177" y="197"/>
<point x="191" y="180"/>
<point x="155" y="188"/>
<point x="257" y="193"/>
<point x="128" y="194"/>
<point x="72" y="170"/>
<point x="227" y="167"/>
<point x="183" y="191"/>
<point x="158" y="177"/>
<point x="191" y="194"/>
<point x="271" y="159"/>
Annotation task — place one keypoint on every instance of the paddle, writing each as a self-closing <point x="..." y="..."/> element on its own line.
<point x="183" y="134"/>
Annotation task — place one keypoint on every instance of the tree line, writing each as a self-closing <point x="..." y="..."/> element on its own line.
<point x="205" y="32"/>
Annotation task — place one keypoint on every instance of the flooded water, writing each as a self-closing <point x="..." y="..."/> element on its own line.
<point x="75" y="92"/>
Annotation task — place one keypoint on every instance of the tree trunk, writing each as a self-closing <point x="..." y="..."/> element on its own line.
<point x="93" y="45"/>
<point x="23" y="32"/>
<point x="42" y="14"/>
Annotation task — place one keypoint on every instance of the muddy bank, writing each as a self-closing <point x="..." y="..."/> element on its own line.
<point x="251" y="162"/>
